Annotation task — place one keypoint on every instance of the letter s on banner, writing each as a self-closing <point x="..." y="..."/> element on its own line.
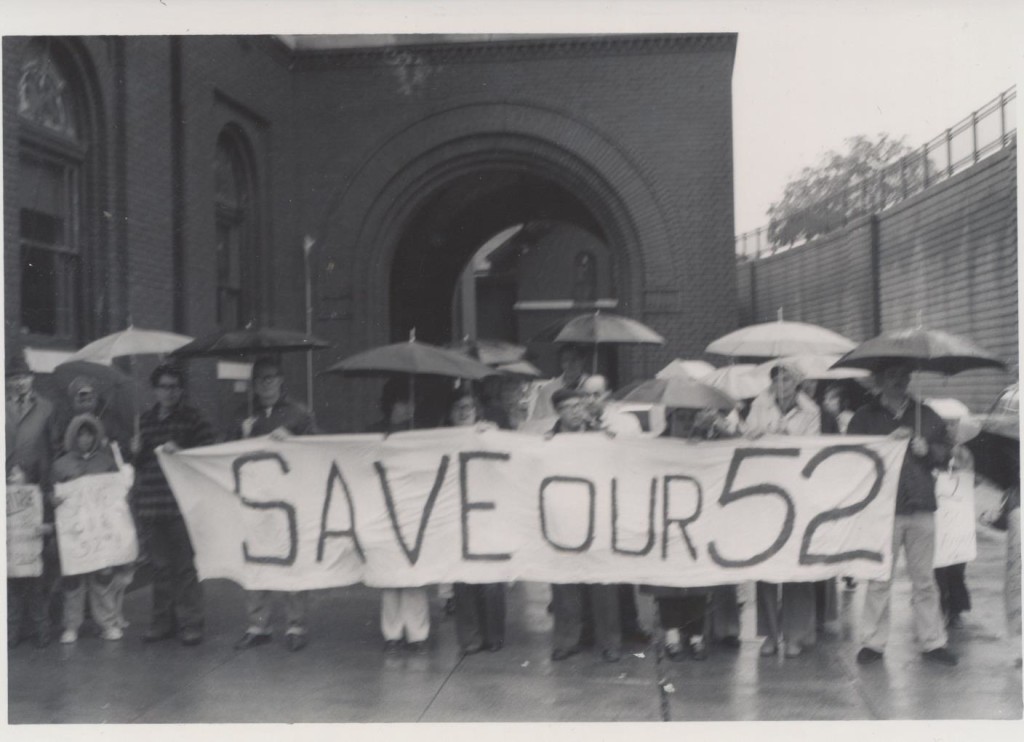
<point x="289" y="510"/>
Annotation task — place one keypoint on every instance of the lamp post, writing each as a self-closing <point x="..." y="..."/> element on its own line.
<point x="307" y="247"/>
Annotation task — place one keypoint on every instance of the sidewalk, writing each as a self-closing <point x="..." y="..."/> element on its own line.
<point x="343" y="676"/>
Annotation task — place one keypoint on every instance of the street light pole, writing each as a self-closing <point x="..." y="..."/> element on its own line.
<point x="307" y="247"/>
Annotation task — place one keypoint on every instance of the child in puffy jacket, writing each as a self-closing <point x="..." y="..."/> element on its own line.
<point x="88" y="452"/>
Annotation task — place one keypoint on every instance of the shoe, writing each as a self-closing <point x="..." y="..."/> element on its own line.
<point x="793" y="650"/>
<point x="729" y="642"/>
<point x="250" y="640"/>
<point x="563" y="654"/>
<point x="472" y="649"/>
<point x="194" y="637"/>
<point x="112" y="634"/>
<point x="391" y="646"/>
<point x="769" y="648"/>
<point x="417" y="647"/>
<point x="295" y="642"/>
<point x="494" y="646"/>
<point x="611" y="655"/>
<point x="699" y="650"/>
<point x="675" y="652"/>
<point x="69" y="636"/>
<point x="867" y="655"/>
<point x="155" y="635"/>
<point x="942" y="655"/>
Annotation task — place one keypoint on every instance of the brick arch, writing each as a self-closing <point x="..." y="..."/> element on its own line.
<point x="369" y="217"/>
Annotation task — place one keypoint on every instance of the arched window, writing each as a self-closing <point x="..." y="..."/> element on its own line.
<point x="237" y="250"/>
<point x="584" y="279"/>
<point x="53" y="143"/>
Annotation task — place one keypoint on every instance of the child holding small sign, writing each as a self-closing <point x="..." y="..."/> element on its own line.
<point x="88" y="452"/>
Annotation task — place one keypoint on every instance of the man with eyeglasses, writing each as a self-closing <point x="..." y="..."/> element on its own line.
<point x="274" y="414"/>
<point x="177" y="596"/>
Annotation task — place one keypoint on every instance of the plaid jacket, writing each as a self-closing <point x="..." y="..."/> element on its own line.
<point x="185" y="426"/>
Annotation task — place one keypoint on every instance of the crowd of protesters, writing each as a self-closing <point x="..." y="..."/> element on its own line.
<point x="46" y="446"/>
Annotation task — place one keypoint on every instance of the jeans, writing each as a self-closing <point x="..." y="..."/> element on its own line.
<point x="916" y="534"/>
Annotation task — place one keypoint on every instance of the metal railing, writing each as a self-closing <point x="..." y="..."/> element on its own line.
<point x="984" y="132"/>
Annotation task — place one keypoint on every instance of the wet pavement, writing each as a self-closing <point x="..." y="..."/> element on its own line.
<point x="343" y="675"/>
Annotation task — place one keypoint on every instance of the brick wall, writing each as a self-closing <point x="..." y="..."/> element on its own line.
<point x="947" y="257"/>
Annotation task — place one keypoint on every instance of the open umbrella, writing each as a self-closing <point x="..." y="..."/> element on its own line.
<point x="248" y="342"/>
<point x="926" y="350"/>
<point x="597" y="328"/>
<point x="523" y="369"/>
<point x="490" y="352"/>
<point x="997" y="449"/>
<point x="117" y="391"/>
<point x="686" y="369"/>
<point x="779" y="338"/>
<point x="132" y="341"/>
<point x="739" y="380"/>
<point x="412" y="358"/>
<point x="818" y="366"/>
<point x="679" y="392"/>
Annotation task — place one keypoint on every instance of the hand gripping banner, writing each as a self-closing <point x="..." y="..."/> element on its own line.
<point x="464" y="505"/>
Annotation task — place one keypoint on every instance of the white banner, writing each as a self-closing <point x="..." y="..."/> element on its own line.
<point x="457" y="504"/>
<point x="94" y="524"/>
<point x="956" y="540"/>
<point x="24" y="538"/>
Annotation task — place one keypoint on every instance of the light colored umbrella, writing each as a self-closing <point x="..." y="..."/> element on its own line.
<point x="520" y="368"/>
<point x="597" y="328"/>
<point x="686" y="369"/>
<point x="779" y="338"/>
<point x="491" y="352"/>
<point x="739" y="380"/>
<point x="130" y="342"/>
<point x="678" y="392"/>
<point x="817" y="366"/>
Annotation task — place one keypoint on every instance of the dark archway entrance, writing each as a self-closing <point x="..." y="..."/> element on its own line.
<point x="451" y="225"/>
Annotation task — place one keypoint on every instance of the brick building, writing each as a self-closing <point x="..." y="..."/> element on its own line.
<point x="171" y="182"/>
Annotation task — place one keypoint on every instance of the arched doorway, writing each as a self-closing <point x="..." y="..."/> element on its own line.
<point x="451" y="224"/>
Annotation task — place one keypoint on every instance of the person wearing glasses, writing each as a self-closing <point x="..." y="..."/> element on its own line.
<point x="174" y="425"/>
<point x="275" y="415"/>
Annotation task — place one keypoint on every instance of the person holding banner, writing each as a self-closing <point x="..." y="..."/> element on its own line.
<point x="276" y="415"/>
<point x="32" y="439"/>
<point x="88" y="452"/>
<point x="894" y="412"/>
<point x="404" y="611"/>
<point x="783" y="409"/>
<point x="479" y="608"/>
<point x="568" y="599"/>
<point x="174" y="425"/>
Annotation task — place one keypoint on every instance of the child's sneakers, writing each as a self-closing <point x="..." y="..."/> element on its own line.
<point x="112" y="634"/>
<point x="70" y="636"/>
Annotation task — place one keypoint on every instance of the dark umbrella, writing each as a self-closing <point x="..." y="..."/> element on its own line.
<point x="251" y="341"/>
<point x="997" y="449"/>
<point x="414" y="359"/>
<point x="597" y="328"/>
<point x="924" y="350"/>
<point x="679" y="392"/>
<point x="117" y="391"/>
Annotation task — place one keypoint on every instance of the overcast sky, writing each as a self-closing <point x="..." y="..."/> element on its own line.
<point x="808" y="74"/>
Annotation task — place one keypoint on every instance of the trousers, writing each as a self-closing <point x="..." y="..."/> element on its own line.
<point x="29" y="598"/>
<point x="567" y="604"/>
<point x="479" y="613"/>
<point x="104" y="590"/>
<point x="177" y="595"/>
<point x="793" y="618"/>
<point x="259" y="605"/>
<point x="915" y="533"/>
<point x="405" y="613"/>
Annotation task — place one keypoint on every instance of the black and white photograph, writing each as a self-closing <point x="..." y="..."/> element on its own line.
<point x="572" y="362"/>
